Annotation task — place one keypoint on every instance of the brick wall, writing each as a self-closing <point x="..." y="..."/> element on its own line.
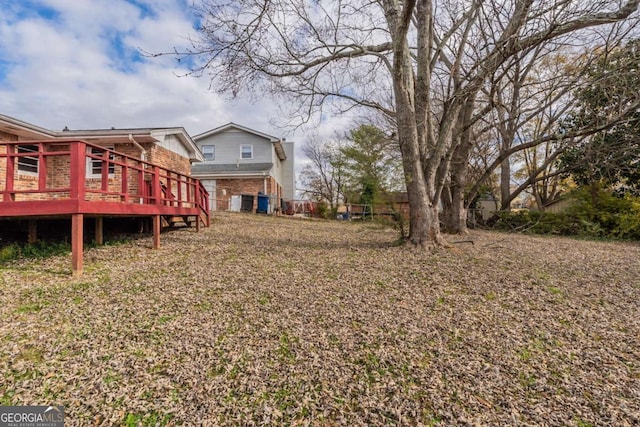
<point x="132" y="177"/>
<point x="4" y="136"/>
<point x="226" y="188"/>
<point x="22" y="181"/>
<point x="167" y="159"/>
<point x="59" y="170"/>
<point x="3" y="167"/>
<point x="59" y="176"/>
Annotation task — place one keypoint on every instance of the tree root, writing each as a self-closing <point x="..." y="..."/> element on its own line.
<point x="473" y="242"/>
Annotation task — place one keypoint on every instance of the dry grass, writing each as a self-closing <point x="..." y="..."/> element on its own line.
<point x="261" y="321"/>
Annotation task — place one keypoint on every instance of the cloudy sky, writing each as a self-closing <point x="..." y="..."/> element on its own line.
<point x="79" y="63"/>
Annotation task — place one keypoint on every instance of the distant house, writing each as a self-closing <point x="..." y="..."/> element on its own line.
<point x="241" y="161"/>
<point x="92" y="174"/>
<point x="559" y="205"/>
<point x="486" y="207"/>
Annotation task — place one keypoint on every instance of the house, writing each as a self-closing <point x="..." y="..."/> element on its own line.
<point x="559" y="204"/>
<point x="486" y="206"/>
<point x="241" y="161"/>
<point x="93" y="174"/>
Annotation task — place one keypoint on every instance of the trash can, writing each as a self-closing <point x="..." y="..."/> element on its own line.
<point x="263" y="203"/>
<point x="246" y="204"/>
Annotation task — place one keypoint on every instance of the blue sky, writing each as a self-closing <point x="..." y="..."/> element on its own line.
<point x="78" y="63"/>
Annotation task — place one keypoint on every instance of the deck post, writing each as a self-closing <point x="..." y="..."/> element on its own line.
<point x="33" y="231"/>
<point x="99" y="231"/>
<point x="10" y="174"/>
<point x="168" y="190"/>
<point x="42" y="168"/>
<point x="156" y="232"/>
<point x="198" y="223"/>
<point x="77" y="240"/>
<point x="124" y="188"/>
<point x="157" y="188"/>
<point x="78" y="170"/>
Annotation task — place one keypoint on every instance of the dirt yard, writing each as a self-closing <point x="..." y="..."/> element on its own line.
<point x="265" y="321"/>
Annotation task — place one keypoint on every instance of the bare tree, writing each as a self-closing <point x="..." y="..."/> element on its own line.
<point x="521" y="106"/>
<point x="323" y="178"/>
<point x="528" y="128"/>
<point x="547" y="183"/>
<point x="433" y="56"/>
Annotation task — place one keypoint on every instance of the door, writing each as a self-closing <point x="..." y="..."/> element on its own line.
<point x="210" y="186"/>
<point x="235" y="204"/>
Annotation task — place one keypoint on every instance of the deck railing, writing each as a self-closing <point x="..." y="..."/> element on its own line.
<point x="77" y="170"/>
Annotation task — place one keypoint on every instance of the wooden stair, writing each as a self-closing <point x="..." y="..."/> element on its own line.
<point x="203" y="216"/>
<point x="186" y="220"/>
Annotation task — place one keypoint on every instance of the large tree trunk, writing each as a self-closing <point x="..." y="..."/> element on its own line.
<point x="454" y="210"/>
<point x="455" y="213"/>
<point x="411" y="119"/>
<point x="505" y="184"/>
<point x="424" y="227"/>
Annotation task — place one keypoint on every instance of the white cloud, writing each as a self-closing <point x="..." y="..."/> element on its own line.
<point x="77" y="63"/>
<point x="92" y="17"/>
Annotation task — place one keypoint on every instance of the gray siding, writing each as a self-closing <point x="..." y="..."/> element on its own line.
<point x="227" y="152"/>
<point x="228" y="145"/>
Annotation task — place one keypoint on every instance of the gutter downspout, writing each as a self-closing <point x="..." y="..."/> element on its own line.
<point x="264" y="183"/>
<point x="143" y="156"/>
<point x="137" y="144"/>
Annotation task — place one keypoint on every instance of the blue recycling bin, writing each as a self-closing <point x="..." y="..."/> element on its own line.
<point x="263" y="204"/>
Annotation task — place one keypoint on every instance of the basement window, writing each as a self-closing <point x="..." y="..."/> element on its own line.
<point x="246" y="151"/>
<point x="28" y="164"/>
<point x="94" y="166"/>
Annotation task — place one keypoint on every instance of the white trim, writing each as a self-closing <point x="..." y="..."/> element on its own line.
<point x="36" y="158"/>
<point x="91" y="162"/>
<point x="213" y="152"/>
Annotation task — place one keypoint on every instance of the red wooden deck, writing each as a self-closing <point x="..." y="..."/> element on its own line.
<point x="50" y="179"/>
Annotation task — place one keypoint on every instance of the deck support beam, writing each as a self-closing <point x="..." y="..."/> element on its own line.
<point x="77" y="242"/>
<point x="99" y="231"/>
<point x="33" y="231"/>
<point x="156" y="232"/>
<point x="197" y="223"/>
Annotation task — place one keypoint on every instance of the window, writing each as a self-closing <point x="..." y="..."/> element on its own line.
<point x="94" y="166"/>
<point x="28" y="164"/>
<point x="246" y="152"/>
<point x="209" y="152"/>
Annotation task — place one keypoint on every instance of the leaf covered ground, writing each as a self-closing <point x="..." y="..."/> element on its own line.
<point x="277" y="321"/>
